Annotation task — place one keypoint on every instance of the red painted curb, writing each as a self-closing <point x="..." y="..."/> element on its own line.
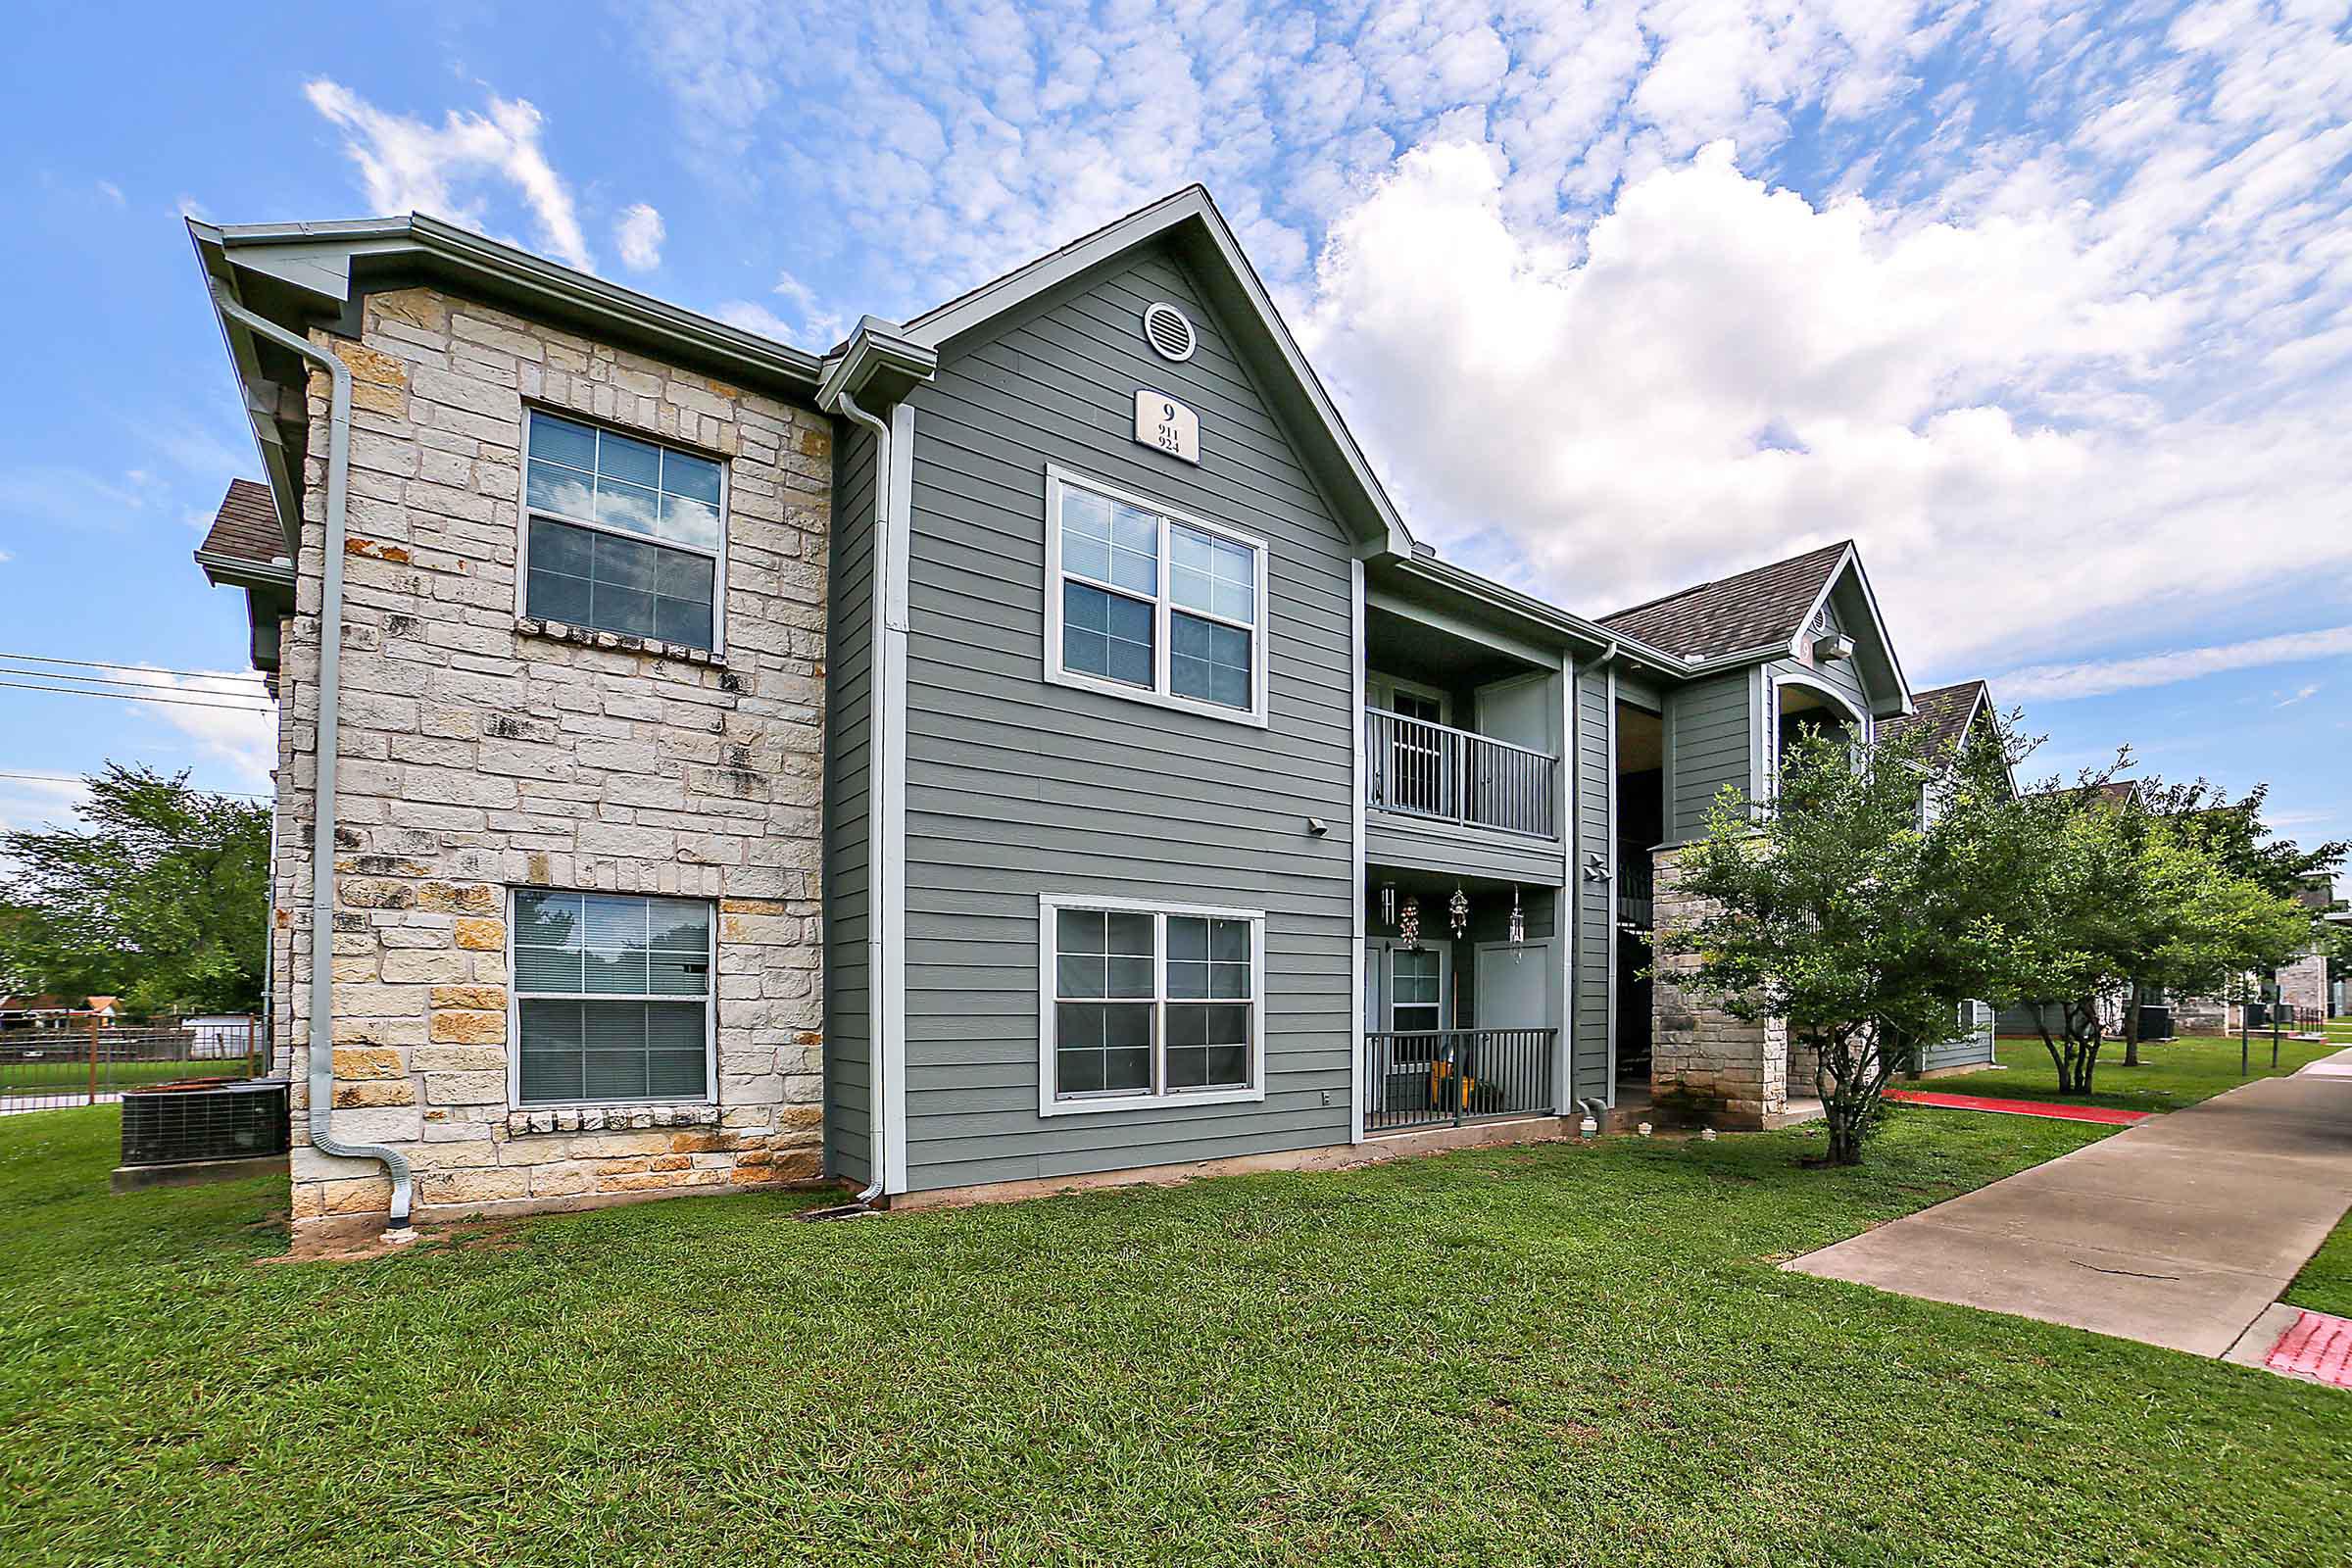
<point x="2104" y="1115"/>
<point x="2318" y="1346"/>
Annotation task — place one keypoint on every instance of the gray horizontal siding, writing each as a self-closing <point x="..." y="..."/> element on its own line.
<point x="1710" y="742"/>
<point x="1394" y="838"/>
<point x="1595" y="978"/>
<point x="1017" y="787"/>
<point x="849" y="708"/>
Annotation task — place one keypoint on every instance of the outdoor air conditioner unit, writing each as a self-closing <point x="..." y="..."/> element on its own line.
<point x="1831" y="647"/>
<point x="170" y="1125"/>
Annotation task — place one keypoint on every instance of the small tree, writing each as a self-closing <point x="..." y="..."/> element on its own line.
<point x="164" y="901"/>
<point x="1844" y="908"/>
<point x="2110" y="894"/>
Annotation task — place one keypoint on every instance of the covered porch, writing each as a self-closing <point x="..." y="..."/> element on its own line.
<point x="1463" y="999"/>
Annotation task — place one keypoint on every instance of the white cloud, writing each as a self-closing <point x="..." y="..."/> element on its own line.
<point x="2301" y="694"/>
<point x="112" y="192"/>
<point x="408" y="166"/>
<point x="36" y="804"/>
<point x="4" y="558"/>
<point x="754" y="317"/>
<point x="2098" y="677"/>
<point x="638" y="236"/>
<point x="2058" y="329"/>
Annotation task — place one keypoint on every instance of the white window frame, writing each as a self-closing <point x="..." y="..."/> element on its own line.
<point x="1164" y="607"/>
<point x="1382" y="692"/>
<point x="516" y="997"/>
<point x="525" y="512"/>
<point x="1049" y="908"/>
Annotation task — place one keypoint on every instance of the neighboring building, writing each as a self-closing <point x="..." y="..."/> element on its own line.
<point x="1015" y="746"/>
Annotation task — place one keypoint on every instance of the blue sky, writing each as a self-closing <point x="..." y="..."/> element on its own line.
<point x="2049" y="306"/>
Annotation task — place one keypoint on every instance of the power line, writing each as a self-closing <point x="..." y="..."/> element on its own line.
<point x="109" y="663"/>
<point x="50" y="778"/>
<point x="133" y="697"/>
<point x="102" y="680"/>
<point x="134" y="685"/>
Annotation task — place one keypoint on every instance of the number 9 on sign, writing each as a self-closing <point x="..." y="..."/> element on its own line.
<point x="1167" y="425"/>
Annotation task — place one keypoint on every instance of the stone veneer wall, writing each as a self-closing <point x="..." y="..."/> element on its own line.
<point x="1705" y="1063"/>
<point x="481" y="751"/>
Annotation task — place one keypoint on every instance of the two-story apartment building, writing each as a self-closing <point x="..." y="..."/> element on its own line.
<point x="1017" y="745"/>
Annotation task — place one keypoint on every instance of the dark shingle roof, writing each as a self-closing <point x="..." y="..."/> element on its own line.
<point x="1942" y="713"/>
<point x="1737" y="614"/>
<point x="247" y="525"/>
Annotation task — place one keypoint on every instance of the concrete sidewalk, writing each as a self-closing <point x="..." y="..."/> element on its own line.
<point x="2178" y="1232"/>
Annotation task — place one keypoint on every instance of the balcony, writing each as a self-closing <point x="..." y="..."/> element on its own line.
<point x="1450" y="775"/>
<point x="1447" y="1077"/>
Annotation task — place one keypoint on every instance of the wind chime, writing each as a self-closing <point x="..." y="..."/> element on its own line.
<point x="1516" y="931"/>
<point x="1458" y="908"/>
<point x="1409" y="921"/>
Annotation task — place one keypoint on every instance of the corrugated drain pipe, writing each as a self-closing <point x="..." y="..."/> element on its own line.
<point x="877" y="1014"/>
<point x="322" y="833"/>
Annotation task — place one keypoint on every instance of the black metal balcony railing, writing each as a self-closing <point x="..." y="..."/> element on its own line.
<point x="1445" y="1077"/>
<point x="1637" y="896"/>
<point x="1436" y="770"/>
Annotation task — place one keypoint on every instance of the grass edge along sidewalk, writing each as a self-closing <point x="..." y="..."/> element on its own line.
<point x="1590" y="1346"/>
<point x="2172" y="1073"/>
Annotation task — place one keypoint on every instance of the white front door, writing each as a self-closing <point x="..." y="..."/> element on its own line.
<point x="1514" y="986"/>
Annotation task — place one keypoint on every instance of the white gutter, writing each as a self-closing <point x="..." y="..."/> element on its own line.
<point x="323" y="829"/>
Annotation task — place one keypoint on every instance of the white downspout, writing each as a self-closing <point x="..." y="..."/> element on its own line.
<point x="878" y="845"/>
<point x="322" y="831"/>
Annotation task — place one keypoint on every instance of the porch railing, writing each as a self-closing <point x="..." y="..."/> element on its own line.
<point x="1637" y="893"/>
<point x="1436" y="770"/>
<point x="1445" y="1077"/>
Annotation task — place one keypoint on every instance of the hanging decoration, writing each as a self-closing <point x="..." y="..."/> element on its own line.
<point x="1409" y="921"/>
<point x="1517" y="929"/>
<point x="1388" y="903"/>
<point x="1458" y="908"/>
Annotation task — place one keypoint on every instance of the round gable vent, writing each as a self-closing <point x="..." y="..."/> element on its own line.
<point x="1169" y="331"/>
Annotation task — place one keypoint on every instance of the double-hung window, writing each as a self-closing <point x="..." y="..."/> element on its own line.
<point x="1146" y="603"/>
<point x="613" y="998"/>
<point x="1148" y="1004"/>
<point x="622" y="534"/>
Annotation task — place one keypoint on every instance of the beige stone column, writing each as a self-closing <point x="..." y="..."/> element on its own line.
<point x="1707" y="1066"/>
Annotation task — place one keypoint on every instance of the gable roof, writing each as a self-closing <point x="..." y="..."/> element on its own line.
<point x="245" y="528"/>
<point x="1189" y="224"/>
<point x="1943" y="714"/>
<point x="1761" y="608"/>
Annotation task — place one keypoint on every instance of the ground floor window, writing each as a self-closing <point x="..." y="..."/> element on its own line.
<point x="613" y="998"/>
<point x="1143" y="1002"/>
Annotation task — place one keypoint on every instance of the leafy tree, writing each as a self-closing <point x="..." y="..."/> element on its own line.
<point x="163" y="901"/>
<point x="2112" y="894"/>
<point x="1843" y="907"/>
<point x="2235" y="834"/>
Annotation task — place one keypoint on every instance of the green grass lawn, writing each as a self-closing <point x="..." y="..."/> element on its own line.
<point x="2326" y="1283"/>
<point x="1548" y="1355"/>
<point x="2177" y="1074"/>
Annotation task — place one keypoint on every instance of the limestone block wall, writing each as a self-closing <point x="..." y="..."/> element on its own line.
<point x="481" y="752"/>
<point x="1704" y="1062"/>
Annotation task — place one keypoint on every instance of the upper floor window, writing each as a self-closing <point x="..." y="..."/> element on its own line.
<point x="1145" y="601"/>
<point x="622" y="534"/>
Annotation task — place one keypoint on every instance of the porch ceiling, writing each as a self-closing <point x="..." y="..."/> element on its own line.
<point x="1399" y="645"/>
